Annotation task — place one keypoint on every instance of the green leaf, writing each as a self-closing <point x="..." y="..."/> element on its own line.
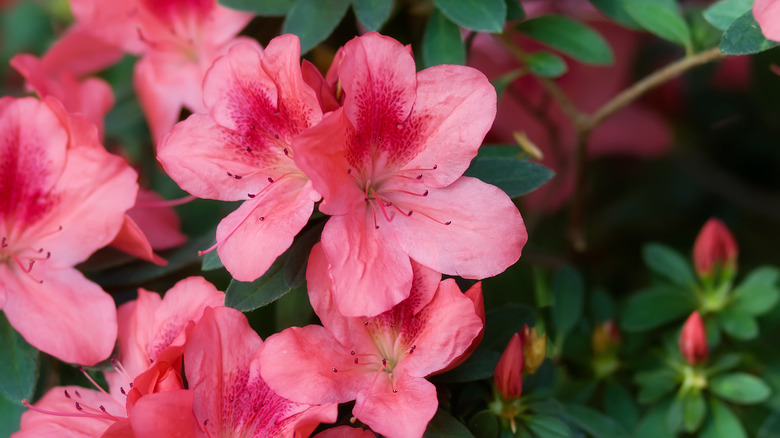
<point x="10" y="415"/>
<point x="543" y="427"/>
<point x="724" y="363"/>
<point x="744" y="37"/>
<point x="514" y="10"/>
<point x="265" y="8"/>
<point x="723" y="13"/>
<point x="568" y="292"/>
<point x="480" y="365"/>
<point x="480" y="15"/>
<point x="593" y="422"/>
<point x="722" y="423"/>
<point x="484" y="424"/>
<point x="314" y="20"/>
<point x="694" y="411"/>
<point x="442" y="43"/>
<point x="444" y="425"/>
<point x="297" y="257"/>
<point x="668" y="264"/>
<point x="619" y="404"/>
<point x="372" y="13"/>
<point x="771" y="427"/>
<point x="602" y="306"/>
<point x="502" y="322"/>
<point x="740" y="388"/>
<point x="661" y="18"/>
<point x="19" y="363"/>
<point x="546" y="64"/>
<point x="570" y="37"/>
<point x="674" y="416"/>
<point x="211" y="262"/>
<point x="758" y="293"/>
<point x="655" y="384"/>
<point x="246" y="296"/>
<point x="615" y="10"/>
<point x="653" y="424"/>
<point x="654" y="307"/>
<point x="738" y="325"/>
<point x="514" y="176"/>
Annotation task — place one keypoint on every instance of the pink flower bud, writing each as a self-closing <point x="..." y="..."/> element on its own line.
<point x="714" y="247"/>
<point x="693" y="340"/>
<point x="509" y="371"/>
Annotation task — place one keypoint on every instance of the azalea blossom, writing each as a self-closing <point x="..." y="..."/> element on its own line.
<point x="258" y="103"/>
<point x="767" y="14"/>
<point x="715" y="248"/>
<point x="231" y="400"/>
<point x="177" y="39"/>
<point x="62" y="200"/>
<point x="508" y="375"/>
<point x="388" y="164"/>
<point x="693" y="340"/>
<point x="381" y="361"/>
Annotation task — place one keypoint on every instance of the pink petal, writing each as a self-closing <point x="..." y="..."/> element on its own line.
<point x="164" y="414"/>
<point x="415" y="402"/>
<point x="270" y="221"/>
<point x="298" y="364"/>
<point x="224" y="24"/>
<point x="489" y="229"/>
<point x="453" y="120"/>
<point x="767" y="14"/>
<point x="131" y="240"/>
<point x="80" y="52"/>
<point x="36" y="424"/>
<point x="66" y="316"/>
<point x="112" y="22"/>
<point x="325" y="95"/>
<point x="370" y="271"/>
<point x="157" y="219"/>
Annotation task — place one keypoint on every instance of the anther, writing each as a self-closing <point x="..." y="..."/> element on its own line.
<point x="419" y="176"/>
<point x="349" y="171"/>
<point x="261" y="218"/>
<point x="356" y="361"/>
<point x="426" y="193"/>
<point x="229" y="174"/>
<point x="286" y="152"/>
<point x="380" y="138"/>
<point x="67" y="395"/>
<point x="334" y="370"/>
<point x="352" y="352"/>
<point x="251" y="195"/>
<point x="237" y="176"/>
<point x="270" y="180"/>
<point x="276" y="136"/>
<point x="366" y="322"/>
<point x="3" y="245"/>
<point x="248" y="149"/>
<point x="410" y="213"/>
<point x="395" y="391"/>
<point x="384" y="362"/>
<point x="79" y="395"/>
<point x="102" y="408"/>
<point x="206" y="422"/>
<point x="131" y="384"/>
<point x="448" y="222"/>
<point x="78" y="406"/>
<point x="435" y="166"/>
<point x="122" y="390"/>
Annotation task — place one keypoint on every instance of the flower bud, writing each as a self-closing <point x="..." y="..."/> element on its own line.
<point x="693" y="340"/>
<point x="508" y="375"/>
<point x="605" y="337"/>
<point x="714" y="248"/>
<point x="534" y="349"/>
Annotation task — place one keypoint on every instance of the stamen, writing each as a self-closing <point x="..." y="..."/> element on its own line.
<point x="4" y="244"/>
<point x="121" y="405"/>
<point x="80" y="414"/>
<point x="334" y="370"/>
<point x="167" y="203"/>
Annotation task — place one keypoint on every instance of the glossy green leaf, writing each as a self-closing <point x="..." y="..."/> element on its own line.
<point x="741" y="388"/>
<point x="373" y="13"/>
<point x="668" y="264"/>
<point x="514" y="176"/>
<point x="480" y="365"/>
<point x="570" y="37"/>
<point x="546" y="64"/>
<point x="444" y="425"/>
<point x="548" y="427"/>
<point x="615" y="10"/>
<point x="602" y="306"/>
<point x="619" y="404"/>
<point x="738" y="325"/>
<point x="744" y="37"/>
<point x="661" y="18"/>
<point x="246" y="296"/>
<point x="211" y="262"/>
<point x="675" y="416"/>
<point x="480" y="15"/>
<point x="654" y="307"/>
<point x="723" y="363"/>
<point x="297" y="257"/>
<point x="265" y="8"/>
<point x="314" y="20"/>
<point x="442" y="43"/>
<point x="514" y="10"/>
<point x="653" y="423"/>
<point x="502" y="322"/>
<point x="484" y="424"/>
<point x="721" y="14"/>
<point x="594" y="423"/>
<point x="771" y="427"/>
<point x="568" y="291"/>
<point x="758" y="293"/>
<point x="10" y="415"/>
<point x="722" y="423"/>
<point x="19" y="363"/>
<point x="694" y="411"/>
<point x="655" y="384"/>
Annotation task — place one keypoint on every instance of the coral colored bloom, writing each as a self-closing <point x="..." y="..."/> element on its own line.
<point x="62" y="200"/>
<point x="508" y="375"/>
<point x="381" y="362"/>
<point x="714" y="248"/>
<point x="258" y="103"/>
<point x="177" y="39"/>
<point x="767" y="14"/>
<point x="693" y="340"/>
<point x="389" y="163"/>
<point x="231" y="399"/>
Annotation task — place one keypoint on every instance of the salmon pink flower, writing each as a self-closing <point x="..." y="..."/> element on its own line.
<point x="767" y="14"/>
<point x="381" y="361"/>
<point x="177" y="39"/>
<point x="231" y="399"/>
<point x="62" y="200"/>
<point x="715" y="248"/>
<point x="258" y="103"/>
<point x="693" y="340"/>
<point x="389" y="164"/>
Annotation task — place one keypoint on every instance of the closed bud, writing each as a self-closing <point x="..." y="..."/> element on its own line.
<point x="534" y="349"/>
<point x="693" y="340"/>
<point x="605" y="338"/>
<point x="509" y="371"/>
<point x="715" y="248"/>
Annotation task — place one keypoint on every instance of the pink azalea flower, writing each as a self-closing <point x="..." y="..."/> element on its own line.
<point x="693" y="340"/>
<point x="258" y="102"/>
<point x="62" y="200"/>
<point x="178" y="41"/>
<point x="230" y="397"/>
<point x="381" y="361"/>
<point x="767" y="14"/>
<point x="715" y="248"/>
<point x="389" y="164"/>
<point x="508" y="375"/>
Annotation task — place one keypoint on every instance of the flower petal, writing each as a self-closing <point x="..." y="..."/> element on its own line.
<point x="167" y="414"/>
<point x="37" y="424"/>
<point x="381" y="408"/>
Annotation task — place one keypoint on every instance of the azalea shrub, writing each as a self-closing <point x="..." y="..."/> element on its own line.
<point x="357" y="218"/>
